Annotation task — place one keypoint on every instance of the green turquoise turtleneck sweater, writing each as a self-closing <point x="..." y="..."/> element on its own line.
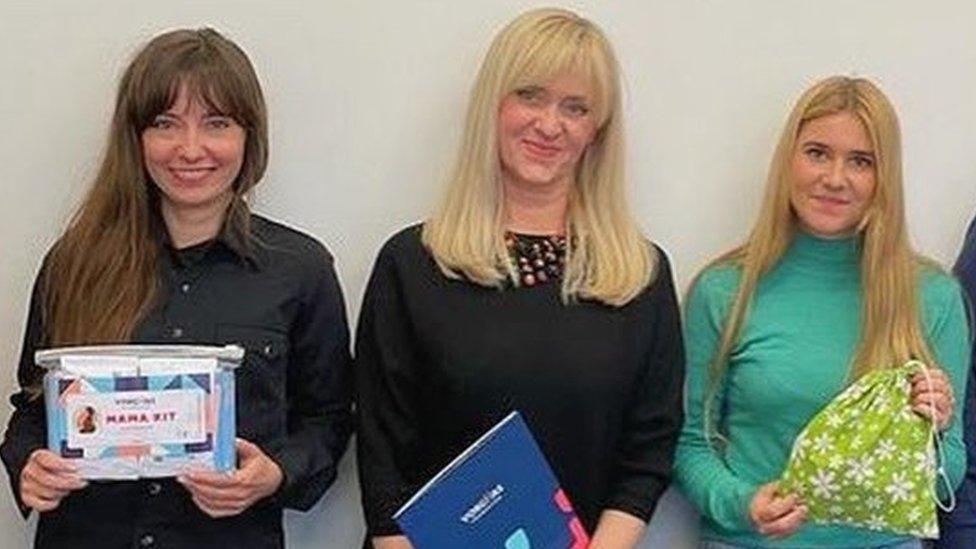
<point x="792" y="358"/>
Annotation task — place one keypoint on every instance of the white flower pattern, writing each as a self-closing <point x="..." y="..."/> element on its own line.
<point x="914" y="515"/>
<point x="875" y="522"/>
<point x="885" y="449"/>
<point x="823" y="484"/>
<point x="822" y="443"/>
<point x="899" y="488"/>
<point x="859" y="470"/>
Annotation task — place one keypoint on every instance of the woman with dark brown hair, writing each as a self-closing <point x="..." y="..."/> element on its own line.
<point x="164" y="249"/>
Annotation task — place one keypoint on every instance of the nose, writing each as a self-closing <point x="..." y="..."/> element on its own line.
<point x="190" y="145"/>
<point x="835" y="176"/>
<point x="548" y="122"/>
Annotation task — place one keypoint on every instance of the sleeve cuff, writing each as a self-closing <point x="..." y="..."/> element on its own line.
<point x="382" y="507"/>
<point x="740" y="506"/>
<point x="297" y="490"/>
<point x="639" y="505"/>
<point x="15" y="480"/>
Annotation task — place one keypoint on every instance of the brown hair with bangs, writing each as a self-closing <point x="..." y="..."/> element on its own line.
<point x="101" y="277"/>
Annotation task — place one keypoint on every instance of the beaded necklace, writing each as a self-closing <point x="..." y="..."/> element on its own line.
<point x="538" y="259"/>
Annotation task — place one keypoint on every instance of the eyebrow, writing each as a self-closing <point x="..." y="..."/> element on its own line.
<point x="815" y="143"/>
<point x="206" y="114"/>
<point x="547" y="89"/>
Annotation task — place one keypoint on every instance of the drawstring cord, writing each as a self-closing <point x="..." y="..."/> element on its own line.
<point x="939" y="449"/>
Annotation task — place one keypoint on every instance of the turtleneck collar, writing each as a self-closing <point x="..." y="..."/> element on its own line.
<point x="808" y="249"/>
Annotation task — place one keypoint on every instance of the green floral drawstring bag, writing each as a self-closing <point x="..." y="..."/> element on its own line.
<point x="866" y="459"/>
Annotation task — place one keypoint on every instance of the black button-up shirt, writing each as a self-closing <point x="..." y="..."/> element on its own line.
<point x="280" y="299"/>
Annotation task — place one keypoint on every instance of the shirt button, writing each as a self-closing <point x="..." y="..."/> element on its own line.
<point x="185" y="287"/>
<point x="147" y="540"/>
<point x="177" y="332"/>
<point x="155" y="488"/>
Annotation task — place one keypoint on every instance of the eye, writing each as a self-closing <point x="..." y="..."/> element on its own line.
<point x="577" y="109"/>
<point x="219" y="122"/>
<point x="162" y="123"/>
<point x="862" y="162"/>
<point x="815" y="153"/>
<point x="530" y="94"/>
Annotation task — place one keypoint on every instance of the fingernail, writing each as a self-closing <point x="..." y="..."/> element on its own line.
<point x="181" y="479"/>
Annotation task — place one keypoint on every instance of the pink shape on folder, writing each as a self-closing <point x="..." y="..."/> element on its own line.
<point x="563" y="502"/>
<point x="580" y="538"/>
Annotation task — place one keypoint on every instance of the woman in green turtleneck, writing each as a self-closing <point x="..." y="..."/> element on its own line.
<point x="825" y="289"/>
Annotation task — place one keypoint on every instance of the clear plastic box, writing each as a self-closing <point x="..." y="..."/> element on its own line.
<point x="133" y="411"/>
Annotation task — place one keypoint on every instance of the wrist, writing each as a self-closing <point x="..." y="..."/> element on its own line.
<point x="275" y="477"/>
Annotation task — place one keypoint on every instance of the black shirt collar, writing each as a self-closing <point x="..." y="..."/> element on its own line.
<point x="239" y="246"/>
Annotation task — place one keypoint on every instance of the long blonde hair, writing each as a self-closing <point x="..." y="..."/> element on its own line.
<point x="891" y="333"/>
<point x="609" y="259"/>
<point x="102" y="274"/>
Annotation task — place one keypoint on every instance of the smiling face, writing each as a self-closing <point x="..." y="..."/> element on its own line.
<point x="193" y="155"/>
<point x="543" y="131"/>
<point x="833" y="172"/>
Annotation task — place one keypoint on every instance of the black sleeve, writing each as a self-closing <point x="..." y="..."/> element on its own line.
<point x="965" y="271"/>
<point x="27" y="427"/>
<point x="646" y="451"/>
<point x="387" y="388"/>
<point x="319" y="392"/>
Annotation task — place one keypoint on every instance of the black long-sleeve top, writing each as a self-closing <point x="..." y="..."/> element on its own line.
<point x="279" y="299"/>
<point x="439" y="361"/>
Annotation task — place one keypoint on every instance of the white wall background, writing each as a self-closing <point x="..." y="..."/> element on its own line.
<point x="366" y="102"/>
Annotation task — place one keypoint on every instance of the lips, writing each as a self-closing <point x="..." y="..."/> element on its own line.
<point x="830" y="201"/>
<point x="192" y="175"/>
<point x="540" y="150"/>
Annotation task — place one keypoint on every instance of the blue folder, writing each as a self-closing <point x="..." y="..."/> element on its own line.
<point x="500" y="492"/>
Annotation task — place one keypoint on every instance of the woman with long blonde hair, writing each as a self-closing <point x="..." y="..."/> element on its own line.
<point x="164" y="249"/>
<point x="530" y="288"/>
<point x="825" y="289"/>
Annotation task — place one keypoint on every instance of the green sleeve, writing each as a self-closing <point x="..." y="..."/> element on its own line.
<point x="948" y="335"/>
<point x="699" y="470"/>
